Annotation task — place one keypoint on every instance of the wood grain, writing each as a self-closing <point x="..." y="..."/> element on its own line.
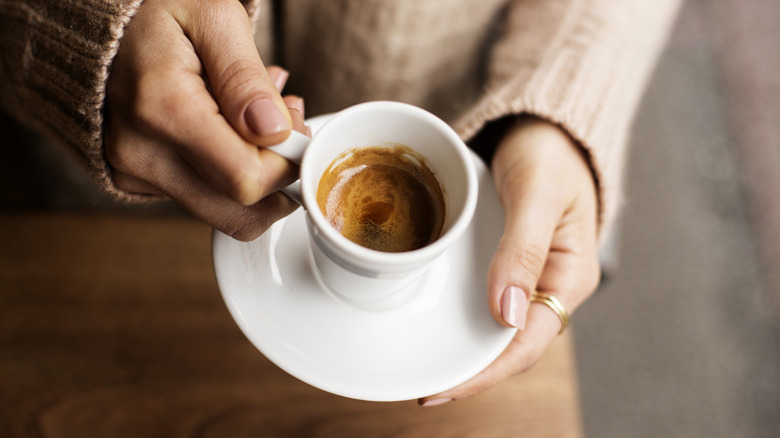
<point x="113" y="326"/>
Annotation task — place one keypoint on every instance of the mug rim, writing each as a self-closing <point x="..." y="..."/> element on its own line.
<point x="360" y="255"/>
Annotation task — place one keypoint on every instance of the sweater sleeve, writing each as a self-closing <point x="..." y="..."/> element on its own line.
<point x="54" y="62"/>
<point x="582" y="64"/>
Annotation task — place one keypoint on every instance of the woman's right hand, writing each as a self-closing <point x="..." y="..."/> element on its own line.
<point x="188" y="101"/>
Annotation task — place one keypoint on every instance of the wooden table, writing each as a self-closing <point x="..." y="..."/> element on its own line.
<point x="113" y="326"/>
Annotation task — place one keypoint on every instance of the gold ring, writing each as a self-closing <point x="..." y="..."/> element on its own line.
<point x="555" y="305"/>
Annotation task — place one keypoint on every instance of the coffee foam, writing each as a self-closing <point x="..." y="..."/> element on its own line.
<point x="383" y="198"/>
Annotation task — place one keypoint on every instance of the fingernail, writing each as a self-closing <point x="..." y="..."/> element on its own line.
<point x="435" y="402"/>
<point x="279" y="78"/>
<point x="264" y="118"/>
<point x="296" y="102"/>
<point x="513" y="306"/>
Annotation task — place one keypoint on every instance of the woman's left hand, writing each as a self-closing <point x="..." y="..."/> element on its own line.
<point x="549" y="245"/>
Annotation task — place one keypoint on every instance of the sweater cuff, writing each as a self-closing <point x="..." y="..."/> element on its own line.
<point x="587" y="77"/>
<point x="62" y="52"/>
<point x="56" y="61"/>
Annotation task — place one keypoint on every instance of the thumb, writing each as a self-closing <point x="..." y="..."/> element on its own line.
<point x="521" y="256"/>
<point x="221" y="34"/>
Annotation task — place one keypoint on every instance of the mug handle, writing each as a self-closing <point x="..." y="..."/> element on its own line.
<point x="292" y="149"/>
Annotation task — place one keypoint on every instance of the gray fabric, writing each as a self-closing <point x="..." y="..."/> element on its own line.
<point x="684" y="341"/>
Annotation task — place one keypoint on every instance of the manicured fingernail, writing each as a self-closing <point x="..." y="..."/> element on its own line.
<point x="279" y="78"/>
<point x="436" y="402"/>
<point x="264" y="118"/>
<point x="513" y="306"/>
<point x="296" y="102"/>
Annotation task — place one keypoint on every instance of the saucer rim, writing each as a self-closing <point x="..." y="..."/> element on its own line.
<point x="304" y="374"/>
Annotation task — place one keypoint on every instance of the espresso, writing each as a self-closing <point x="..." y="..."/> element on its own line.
<point x="383" y="198"/>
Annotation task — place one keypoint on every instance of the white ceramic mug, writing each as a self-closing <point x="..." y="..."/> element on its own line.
<point x="363" y="276"/>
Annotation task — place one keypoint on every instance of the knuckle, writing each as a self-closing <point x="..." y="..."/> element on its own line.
<point x="246" y="226"/>
<point x="250" y="222"/>
<point x="244" y="232"/>
<point x="222" y="9"/>
<point x="240" y="188"/>
<point x="527" y="258"/>
<point x="242" y="236"/>
<point x="236" y="78"/>
<point x="246" y="184"/>
<point x="159" y="104"/>
<point x="203" y="17"/>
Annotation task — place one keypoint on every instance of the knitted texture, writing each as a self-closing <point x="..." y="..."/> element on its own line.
<point x="56" y="56"/>
<point x="581" y="64"/>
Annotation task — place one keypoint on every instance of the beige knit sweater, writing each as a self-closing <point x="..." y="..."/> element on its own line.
<point x="580" y="63"/>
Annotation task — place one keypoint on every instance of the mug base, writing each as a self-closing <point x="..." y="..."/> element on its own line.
<point x="423" y="290"/>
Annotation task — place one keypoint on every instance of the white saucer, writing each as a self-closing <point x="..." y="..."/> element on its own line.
<point x="436" y="340"/>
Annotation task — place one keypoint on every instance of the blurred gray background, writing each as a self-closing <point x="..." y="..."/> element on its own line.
<point x="683" y="338"/>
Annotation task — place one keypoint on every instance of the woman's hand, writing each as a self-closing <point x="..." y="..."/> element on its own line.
<point x="187" y="101"/>
<point x="549" y="245"/>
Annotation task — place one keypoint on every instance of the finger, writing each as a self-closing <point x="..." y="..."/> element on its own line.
<point x="295" y="102"/>
<point x="525" y="350"/>
<point x="567" y="269"/>
<point x="174" y="177"/>
<point x="298" y="124"/>
<point x="198" y="133"/>
<point x="201" y="135"/>
<point x="572" y="272"/>
<point x="521" y="254"/>
<point x="568" y="275"/>
<point x="278" y="76"/>
<point x="531" y="168"/>
<point x="297" y="109"/>
<point x="221" y="34"/>
<point x="166" y="98"/>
